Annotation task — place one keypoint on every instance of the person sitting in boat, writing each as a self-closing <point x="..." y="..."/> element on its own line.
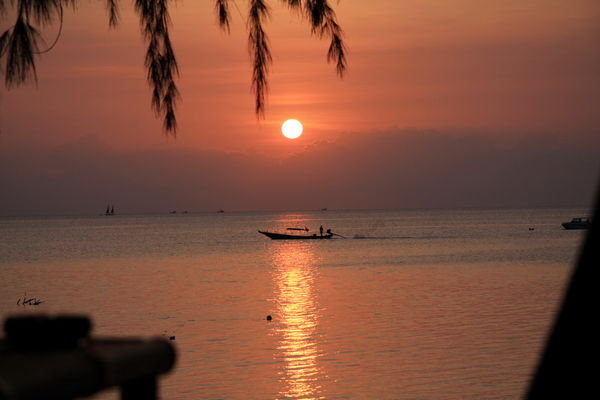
<point x="329" y="231"/>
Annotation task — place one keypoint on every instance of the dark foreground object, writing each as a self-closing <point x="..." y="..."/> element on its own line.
<point x="568" y="368"/>
<point x="54" y="359"/>
<point x="285" y="236"/>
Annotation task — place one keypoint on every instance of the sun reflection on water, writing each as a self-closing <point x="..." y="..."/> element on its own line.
<point x="297" y="315"/>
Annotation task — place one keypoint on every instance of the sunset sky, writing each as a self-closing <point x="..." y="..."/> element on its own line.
<point x="459" y="103"/>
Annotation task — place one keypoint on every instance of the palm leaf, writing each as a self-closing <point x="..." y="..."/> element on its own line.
<point x="222" y="9"/>
<point x="258" y="46"/>
<point x="42" y="11"/>
<point x="324" y="23"/>
<point x="21" y="45"/>
<point x="4" y="42"/>
<point x="113" y="13"/>
<point x="160" y="61"/>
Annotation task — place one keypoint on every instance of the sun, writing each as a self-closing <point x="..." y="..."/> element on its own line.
<point x="291" y="129"/>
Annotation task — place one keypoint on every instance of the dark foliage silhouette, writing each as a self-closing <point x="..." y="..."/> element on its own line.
<point x="20" y="43"/>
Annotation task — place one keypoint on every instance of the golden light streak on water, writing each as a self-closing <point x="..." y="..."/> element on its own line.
<point x="297" y="312"/>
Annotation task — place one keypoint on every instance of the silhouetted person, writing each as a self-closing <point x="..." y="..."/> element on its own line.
<point x="321" y="230"/>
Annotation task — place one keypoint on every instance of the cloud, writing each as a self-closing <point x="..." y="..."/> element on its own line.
<point x="389" y="169"/>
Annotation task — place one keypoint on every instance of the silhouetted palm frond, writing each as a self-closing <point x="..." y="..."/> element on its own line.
<point x="3" y="42"/>
<point x="324" y="22"/>
<point x="20" y="44"/>
<point x="258" y="45"/>
<point x="39" y="10"/>
<point x="160" y="61"/>
<point x="113" y="13"/>
<point x="293" y="4"/>
<point x="222" y="9"/>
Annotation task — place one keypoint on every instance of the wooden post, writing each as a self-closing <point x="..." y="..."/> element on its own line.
<point x="140" y="389"/>
<point x="53" y="358"/>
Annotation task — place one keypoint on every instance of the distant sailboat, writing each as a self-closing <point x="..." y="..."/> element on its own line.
<point x="110" y="210"/>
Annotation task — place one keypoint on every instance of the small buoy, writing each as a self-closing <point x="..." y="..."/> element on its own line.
<point x="171" y="337"/>
<point x="269" y="318"/>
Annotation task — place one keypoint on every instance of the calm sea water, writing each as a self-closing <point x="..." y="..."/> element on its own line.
<point x="434" y="304"/>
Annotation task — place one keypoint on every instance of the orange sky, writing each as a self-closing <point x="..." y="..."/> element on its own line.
<point x="507" y="70"/>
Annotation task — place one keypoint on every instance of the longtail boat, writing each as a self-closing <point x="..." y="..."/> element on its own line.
<point x="287" y="236"/>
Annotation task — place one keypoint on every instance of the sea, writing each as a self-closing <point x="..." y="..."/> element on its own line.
<point x="405" y="304"/>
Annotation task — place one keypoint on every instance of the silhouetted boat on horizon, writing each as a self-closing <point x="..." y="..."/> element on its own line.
<point x="578" y="223"/>
<point x="287" y="236"/>
<point x="110" y="210"/>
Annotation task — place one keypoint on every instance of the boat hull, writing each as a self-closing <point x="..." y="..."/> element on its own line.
<point x="283" y="236"/>
<point x="578" y="223"/>
<point x="575" y="225"/>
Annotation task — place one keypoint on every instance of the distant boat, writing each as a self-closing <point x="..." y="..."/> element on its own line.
<point x="578" y="223"/>
<point x="286" y="236"/>
<point x="110" y="210"/>
<point x="221" y="211"/>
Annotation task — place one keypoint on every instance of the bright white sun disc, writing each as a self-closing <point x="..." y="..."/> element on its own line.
<point x="291" y="129"/>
